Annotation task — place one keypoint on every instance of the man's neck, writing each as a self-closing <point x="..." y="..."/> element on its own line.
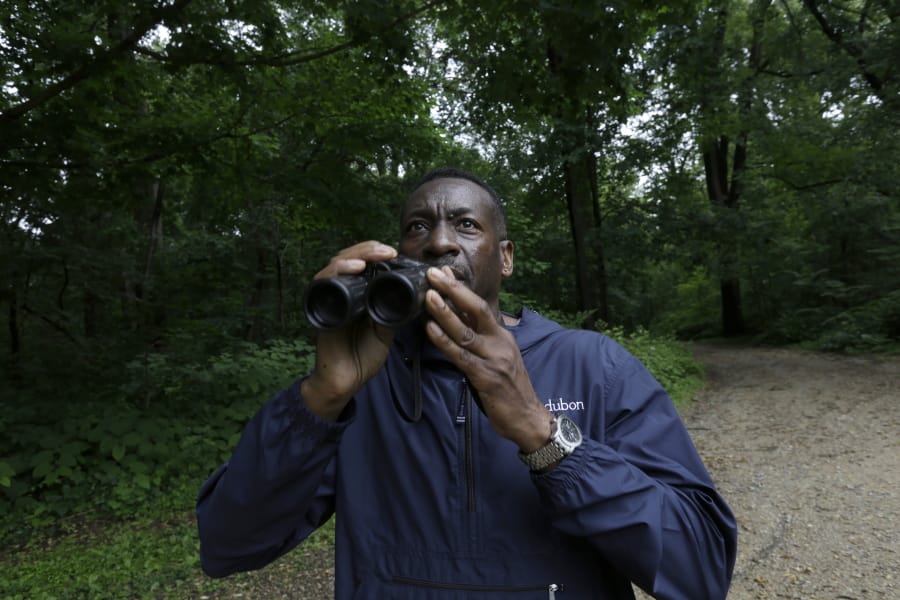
<point x="509" y="320"/>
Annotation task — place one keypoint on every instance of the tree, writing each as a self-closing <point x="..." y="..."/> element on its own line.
<point x="563" y="75"/>
<point x="780" y="126"/>
<point x="867" y="33"/>
<point x="174" y="172"/>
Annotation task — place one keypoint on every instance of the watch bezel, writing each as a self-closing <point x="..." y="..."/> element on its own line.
<point x="564" y="427"/>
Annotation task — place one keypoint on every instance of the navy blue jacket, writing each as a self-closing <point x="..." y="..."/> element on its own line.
<point x="443" y="508"/>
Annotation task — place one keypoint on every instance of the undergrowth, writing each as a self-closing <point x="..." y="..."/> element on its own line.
<point x="140" y="558"/>
<point x="667" y="359"/>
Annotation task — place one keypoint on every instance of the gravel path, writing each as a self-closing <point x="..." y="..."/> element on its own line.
<point x="806" y="449"/>
<point x="804" y="446"/>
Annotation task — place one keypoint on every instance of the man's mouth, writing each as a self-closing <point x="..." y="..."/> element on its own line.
<point x="459" y="273"/>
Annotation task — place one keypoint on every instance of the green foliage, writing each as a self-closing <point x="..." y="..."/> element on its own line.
<point x="667" y="359"/>
<point x="692" y="310"/>
<point x="147" y="557"/>
<point x="868" y="327"/>
<point x="163" y="203"/>
<point x="6" y="473"/>
<point x="153" y="441"/>
<point x="241" y="374"/>
<point x="141" y="559"/>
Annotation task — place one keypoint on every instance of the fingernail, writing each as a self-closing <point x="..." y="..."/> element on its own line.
<point x="435" y="298"/>
<point x="437" y="273"/>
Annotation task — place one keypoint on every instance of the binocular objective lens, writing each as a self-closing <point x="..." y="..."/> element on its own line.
<point x="328" y="306"/>
<point x="391" y="301"/>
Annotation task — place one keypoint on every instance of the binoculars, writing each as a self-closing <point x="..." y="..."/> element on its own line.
<point x="392" y="292"/>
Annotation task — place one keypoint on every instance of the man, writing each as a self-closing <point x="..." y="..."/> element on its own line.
<point x="439" y="449"/>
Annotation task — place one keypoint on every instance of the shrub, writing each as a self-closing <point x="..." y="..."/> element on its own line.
<point x="149" y="443"/>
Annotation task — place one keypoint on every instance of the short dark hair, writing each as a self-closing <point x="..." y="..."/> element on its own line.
<point x="454" y="173"/>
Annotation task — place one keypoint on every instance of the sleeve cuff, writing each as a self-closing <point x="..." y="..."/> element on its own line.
<point x="306" y="422"/>
<point x="566" y="473"/>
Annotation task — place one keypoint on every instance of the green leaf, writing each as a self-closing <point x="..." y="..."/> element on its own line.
<point x="42" y="469"/>
<point x="118" y="452"/>
<point x="42" y="457"/>
<point x="142" y="480"/>
<point x="6" y="473"/>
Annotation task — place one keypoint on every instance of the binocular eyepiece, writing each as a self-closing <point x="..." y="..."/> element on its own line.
<point x="392" y="292"/>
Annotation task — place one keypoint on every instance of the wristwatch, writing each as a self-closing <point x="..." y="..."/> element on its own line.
<point x="564" y="438"/>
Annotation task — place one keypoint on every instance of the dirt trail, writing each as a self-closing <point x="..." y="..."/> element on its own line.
<point x="806" y="449"/>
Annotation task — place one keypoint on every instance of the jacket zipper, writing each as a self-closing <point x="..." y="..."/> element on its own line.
<point x="462" y="587"/>
<point x="464" y="415"/>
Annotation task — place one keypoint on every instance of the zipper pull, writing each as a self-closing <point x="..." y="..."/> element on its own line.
<point x="461" y="411"/>
<point x="463" y="401"/>
<point x="552" y="589"/>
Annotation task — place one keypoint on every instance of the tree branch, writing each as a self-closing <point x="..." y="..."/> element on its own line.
<point x="102" y="61"/>
<point x="808" y="186"/>
<point x="863" y="15"/>
<point x="57" y="326"/>
<point x="787" y="75"/>
<point x="891" y="9"/>
<point x="286" y="59"/>
<point x="147" y="158"/>
<point x="837" y="36"/>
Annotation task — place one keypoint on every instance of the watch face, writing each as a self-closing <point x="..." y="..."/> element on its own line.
<point x="569" y="430"/>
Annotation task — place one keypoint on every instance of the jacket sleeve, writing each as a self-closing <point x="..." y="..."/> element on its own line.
<point x="642" y="496"/>
<point x="276" y="489"/>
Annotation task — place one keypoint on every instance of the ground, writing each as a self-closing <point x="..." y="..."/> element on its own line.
<point x="806" y="449"/>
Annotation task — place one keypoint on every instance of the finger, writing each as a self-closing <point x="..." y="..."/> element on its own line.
<point x="341" y="266"/>
<point x="467" y="304"/>
<point x="464" y="359"/>
<point x="456" y="330"/>
<point x="369" y="250"/>
<point x="352" y="260"/>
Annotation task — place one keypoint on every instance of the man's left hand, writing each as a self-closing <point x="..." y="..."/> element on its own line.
<point x="472" y="337"/>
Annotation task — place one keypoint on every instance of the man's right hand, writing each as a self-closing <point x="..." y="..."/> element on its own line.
<point x="346" y="358"/>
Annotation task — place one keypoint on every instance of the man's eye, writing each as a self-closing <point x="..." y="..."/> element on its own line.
<point x="416" y="226"/>
<point x="467" y="224"/>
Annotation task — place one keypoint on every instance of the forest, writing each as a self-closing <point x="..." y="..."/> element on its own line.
<point x="174" y="172"/>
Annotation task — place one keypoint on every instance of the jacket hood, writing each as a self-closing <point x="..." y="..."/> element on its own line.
<point x="532" y="328"/>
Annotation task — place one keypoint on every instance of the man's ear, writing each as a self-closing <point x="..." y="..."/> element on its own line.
<point x="507" y="251"/>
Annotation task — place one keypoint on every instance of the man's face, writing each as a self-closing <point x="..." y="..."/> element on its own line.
<point x="452" y="222"/>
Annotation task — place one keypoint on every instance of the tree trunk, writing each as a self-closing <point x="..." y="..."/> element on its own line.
<point x="148" y="217"/>
<point x="582" y="198"/>
<point x="580" y="176"/>
<point x="91" y="311"/>
<point x="148" y="192"/>
<point x="279" y="284"/>
<point x="253" y="330"/>
<point x="14" y="343"/>
<point x="715" y="163"/>
<point x="732" y="312"/>
<point x="577" y="200"/>
<point x="597" y="244"/>
<point x="725" y="191"/>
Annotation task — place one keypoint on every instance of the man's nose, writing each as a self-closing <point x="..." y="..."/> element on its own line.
<point x="442" y="241"/>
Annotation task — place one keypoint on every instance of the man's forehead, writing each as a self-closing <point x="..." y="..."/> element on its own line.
<point x="449" y="195"/>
